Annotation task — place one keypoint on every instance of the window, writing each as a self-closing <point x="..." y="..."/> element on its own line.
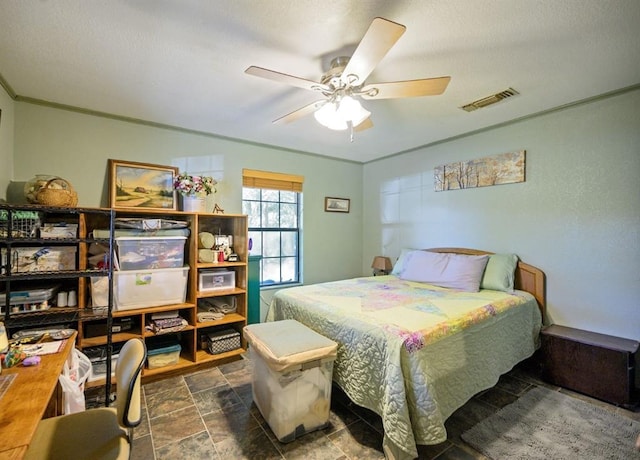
<point x="273" y="204"/>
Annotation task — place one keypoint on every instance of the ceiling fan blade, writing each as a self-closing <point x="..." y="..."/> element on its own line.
<point x="364" y="125"/>
<point x="287" y="79"/>
<point x="409" y="88"/>
<point x="301" y="112"/>
<point x="376" y="43"/>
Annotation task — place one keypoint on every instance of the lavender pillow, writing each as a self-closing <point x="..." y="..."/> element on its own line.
<point x="398" y="267"/>
<point x="455" y="271"/>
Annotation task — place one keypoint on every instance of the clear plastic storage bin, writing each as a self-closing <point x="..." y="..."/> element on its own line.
<point x="292" y="372"/>
<point x="142" y="288"/>
<point x="150" y="252"/>
<point x="215" y="280"/>
<point x="161" y="356"/>
<point x="28" y="300"/>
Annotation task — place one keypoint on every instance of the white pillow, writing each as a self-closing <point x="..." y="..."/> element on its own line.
<point x="455" y="271"/>
<point x="398" y="267"/>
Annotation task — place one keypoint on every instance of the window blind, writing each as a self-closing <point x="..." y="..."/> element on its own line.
<point x="275" y="181"/>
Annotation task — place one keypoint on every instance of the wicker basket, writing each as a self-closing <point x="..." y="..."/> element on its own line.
<point x="57" y="192"/>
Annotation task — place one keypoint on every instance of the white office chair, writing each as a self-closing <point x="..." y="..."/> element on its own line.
<point x="102" y="433"/>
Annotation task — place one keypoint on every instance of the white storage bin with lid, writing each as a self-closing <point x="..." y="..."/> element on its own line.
<point x="292" y="372"/>
<point x="150" y="252"/>
<point x="142" y="288"/>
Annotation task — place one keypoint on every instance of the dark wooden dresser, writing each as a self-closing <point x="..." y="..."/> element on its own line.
<point x="598" y="365"/>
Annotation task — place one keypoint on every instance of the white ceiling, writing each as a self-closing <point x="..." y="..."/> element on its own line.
<point x="181" y="62"/>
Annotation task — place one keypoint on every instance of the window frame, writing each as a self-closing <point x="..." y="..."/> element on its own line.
<point x="297" y="230"/>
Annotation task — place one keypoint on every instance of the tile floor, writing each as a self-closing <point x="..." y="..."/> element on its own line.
<point x="209" y="414"/>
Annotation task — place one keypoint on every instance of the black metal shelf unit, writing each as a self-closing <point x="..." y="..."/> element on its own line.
<point x="20" y="228"/>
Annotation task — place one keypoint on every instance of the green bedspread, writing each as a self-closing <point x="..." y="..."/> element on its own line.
<point x="413" y="352"/>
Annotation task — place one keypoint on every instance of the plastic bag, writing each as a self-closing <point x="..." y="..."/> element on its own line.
<point x="75" y="373"/>
<point x="73" y="396"/>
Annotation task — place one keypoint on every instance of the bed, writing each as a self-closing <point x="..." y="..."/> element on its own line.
<point x="415" y="351"/>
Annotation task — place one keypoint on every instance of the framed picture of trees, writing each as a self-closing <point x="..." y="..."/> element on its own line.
<point x="505" y="168"/>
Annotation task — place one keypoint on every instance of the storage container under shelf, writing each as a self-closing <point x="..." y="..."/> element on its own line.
<point x="292" y="372"/>
<point x="40" y="259"/>
<point x="58" y="231"/>
<point x="150" y="252"/>
<point x="223" y="340"/>
<point x="29" y="299"/>
<point x="99" y="328"/>
<point x="163" y="353"/>
<point x="142" y="288"/>
<point x="215" y="280"/>
<point x="98" y="358"/>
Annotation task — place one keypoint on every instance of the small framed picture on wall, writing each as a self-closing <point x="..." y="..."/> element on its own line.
<point x="332" y="204"/>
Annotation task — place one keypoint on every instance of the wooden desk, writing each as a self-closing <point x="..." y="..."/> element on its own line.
<point x="26" y="400"/>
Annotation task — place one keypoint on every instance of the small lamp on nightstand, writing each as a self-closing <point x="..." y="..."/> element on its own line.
<point x="381" y="265"/>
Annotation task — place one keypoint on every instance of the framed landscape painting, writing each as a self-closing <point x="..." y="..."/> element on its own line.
<point x="141" y="185"/>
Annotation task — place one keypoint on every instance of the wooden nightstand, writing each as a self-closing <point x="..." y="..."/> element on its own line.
<point x="595" y="364"/>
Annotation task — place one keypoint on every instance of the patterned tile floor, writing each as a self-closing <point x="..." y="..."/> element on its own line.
<point x="209" y="414"/>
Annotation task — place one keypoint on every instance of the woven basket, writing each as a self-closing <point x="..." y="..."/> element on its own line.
<point x="57" y="192"/>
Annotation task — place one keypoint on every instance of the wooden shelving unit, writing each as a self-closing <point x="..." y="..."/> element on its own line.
<point x="84" y="315"/>
<point x="192" y="354"/>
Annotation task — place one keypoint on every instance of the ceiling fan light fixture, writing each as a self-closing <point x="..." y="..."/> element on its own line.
<point x="327" y="116"/>
<point x="350" y="110"/>
<point x="338" y="115"/>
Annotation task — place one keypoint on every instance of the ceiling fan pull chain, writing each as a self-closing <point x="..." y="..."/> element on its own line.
<point x="351" y="131"/>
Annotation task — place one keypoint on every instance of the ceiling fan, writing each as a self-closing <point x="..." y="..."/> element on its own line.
<point x="345" y="82"/>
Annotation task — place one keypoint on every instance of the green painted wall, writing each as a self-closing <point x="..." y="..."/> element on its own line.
<point x="577" y="216"/>
<point x="76" y="146"/>
<point x="6" y="140"/>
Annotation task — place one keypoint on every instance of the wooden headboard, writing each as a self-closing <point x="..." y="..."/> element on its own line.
<point x="528" y="277"/>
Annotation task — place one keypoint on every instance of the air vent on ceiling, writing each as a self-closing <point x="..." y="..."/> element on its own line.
<point x="485" y="101"/>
